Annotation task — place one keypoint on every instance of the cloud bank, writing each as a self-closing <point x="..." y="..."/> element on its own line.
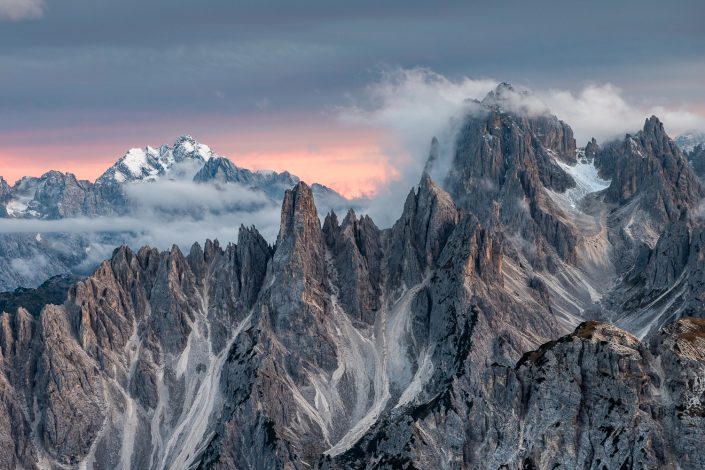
<point x="16" y="10"/>
<point x="601" y="111"/>
<point x="162" y="214"/>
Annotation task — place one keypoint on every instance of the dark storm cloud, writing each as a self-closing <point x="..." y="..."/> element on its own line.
<point x="85" y="60"/>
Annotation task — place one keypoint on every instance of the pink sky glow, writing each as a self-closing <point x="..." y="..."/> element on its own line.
<point x="349" y="160"/>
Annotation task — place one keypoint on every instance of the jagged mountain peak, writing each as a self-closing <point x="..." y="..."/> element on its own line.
<point x="187" y="147"/>
<point x="149" y="163"/>
<point x="653" y="124"/>
<point x="502" y="92"/>
<point x="522" y="102"/>
<point x="299" y="217"/>
<point x="649" y="165"/>
<point x="223" y="170"/>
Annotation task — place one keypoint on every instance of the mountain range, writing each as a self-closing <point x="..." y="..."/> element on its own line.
<point x="143" y="187"/>
<point x="538" y="306"/>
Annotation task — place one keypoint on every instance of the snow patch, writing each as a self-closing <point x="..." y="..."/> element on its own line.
<point x="16" y="207"/>
<point x="204" y="151"/>
<point x="135" y="160"/>
<point x="586" y="179"/>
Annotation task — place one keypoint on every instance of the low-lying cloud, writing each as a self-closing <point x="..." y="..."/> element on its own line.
<point x="192" y="199"/>
<point x="162" y="214"/>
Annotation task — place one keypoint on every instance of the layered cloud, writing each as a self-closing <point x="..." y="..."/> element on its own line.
<point x="163" y="213"/>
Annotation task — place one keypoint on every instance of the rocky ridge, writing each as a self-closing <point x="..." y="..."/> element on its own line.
<point x="464" y="336"/>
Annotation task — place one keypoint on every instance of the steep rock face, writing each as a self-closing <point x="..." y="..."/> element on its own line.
<point x="462" y="319"/>
<point x="650" y="167"/>
<point x="16" y="332"/>
<point x="665" y="283"/>
<point x="417" y="238"/>
<point x="298" y="280"/>
<point x="133" y="357"/>
<point x="67" y="377"/>
<point x="509" y="156"/>
<point x="355" y="246"/>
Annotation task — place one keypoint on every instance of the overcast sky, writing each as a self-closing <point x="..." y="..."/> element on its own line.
<point x="81" y="81"/>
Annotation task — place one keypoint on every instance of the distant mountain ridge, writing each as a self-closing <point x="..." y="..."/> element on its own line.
<point x="29" y="258"/>
<point x="56" y="195"/>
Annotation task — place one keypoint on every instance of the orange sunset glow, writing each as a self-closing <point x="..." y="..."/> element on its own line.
<point x="350" y="160"/>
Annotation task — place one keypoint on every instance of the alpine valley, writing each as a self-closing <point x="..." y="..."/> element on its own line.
<point x="535" y="306"/>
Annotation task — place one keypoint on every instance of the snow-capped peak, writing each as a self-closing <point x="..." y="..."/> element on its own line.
<point x="187" y="147"/>
<point x="137" y="160"/>
<point x="149" y="163"/>
<point x="688" y="141"/>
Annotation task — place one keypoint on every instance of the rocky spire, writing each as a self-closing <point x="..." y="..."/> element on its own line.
<point x="300" y="242"/>
<point x="591" y="149"/>
<point x="297" y="295"/>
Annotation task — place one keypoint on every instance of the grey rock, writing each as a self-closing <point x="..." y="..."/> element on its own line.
<point x="696" y="158"/>
<point x="649" y="166"/>
<point x="510" y="157"/>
